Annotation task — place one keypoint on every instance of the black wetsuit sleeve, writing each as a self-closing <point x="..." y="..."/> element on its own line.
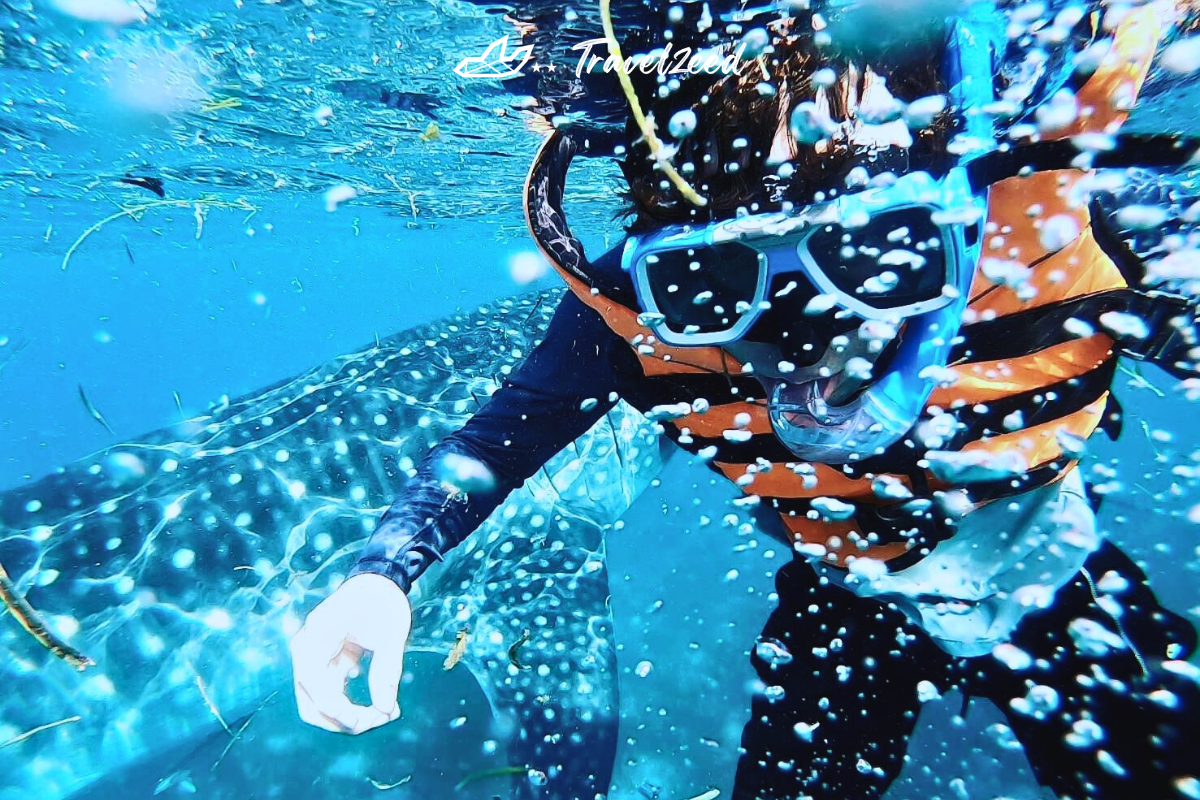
<point x="565" y="386"/>
<point x="1140" y="225"/>
<point x="1125" y="224"/>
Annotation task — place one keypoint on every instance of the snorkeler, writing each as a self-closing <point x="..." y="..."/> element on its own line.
<point x="894" y="323"/>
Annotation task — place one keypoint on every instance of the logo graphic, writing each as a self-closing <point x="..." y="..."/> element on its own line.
<point x="496" y="62"/>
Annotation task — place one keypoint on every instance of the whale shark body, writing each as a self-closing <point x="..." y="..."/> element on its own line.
<point x="183" y="561"/>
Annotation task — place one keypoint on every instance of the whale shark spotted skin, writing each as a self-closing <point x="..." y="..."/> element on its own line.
<point x="182" y="562"/>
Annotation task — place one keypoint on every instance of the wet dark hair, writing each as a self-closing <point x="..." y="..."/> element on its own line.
<point x="737" y="122"/>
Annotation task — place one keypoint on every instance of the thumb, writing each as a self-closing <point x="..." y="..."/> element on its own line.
<point x="383" y="679"/>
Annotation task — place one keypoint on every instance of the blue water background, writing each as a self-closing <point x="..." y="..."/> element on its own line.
<point x="222" y="315"/>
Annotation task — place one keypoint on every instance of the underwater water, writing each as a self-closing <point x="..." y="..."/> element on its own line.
<point x="210" y="396"/>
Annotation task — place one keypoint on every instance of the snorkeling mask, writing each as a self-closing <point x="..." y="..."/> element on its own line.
<point x="903" y="254"/>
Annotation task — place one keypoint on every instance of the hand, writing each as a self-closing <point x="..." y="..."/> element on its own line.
<point x="367" y="613"/>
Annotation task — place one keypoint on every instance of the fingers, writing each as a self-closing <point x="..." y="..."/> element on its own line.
<point x="320" y="686"/>
<point x="368" y="612"/>
<point x="321" y="700"/>
<point x="336" y="714"/>
<point x="348" y="661"/>
<point x="319" y="668"/>
<point x="383" y="679"/>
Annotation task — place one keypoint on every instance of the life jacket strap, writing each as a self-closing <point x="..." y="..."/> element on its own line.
<point x="1171" y="320"/>
<point x="1129" y="150"/>
<point x="544" y="188"/>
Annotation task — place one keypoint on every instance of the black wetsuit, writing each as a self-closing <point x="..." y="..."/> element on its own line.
<point x="866" y="719"/>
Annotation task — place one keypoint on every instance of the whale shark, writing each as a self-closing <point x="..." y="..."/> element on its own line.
<point x="181" y="562"/>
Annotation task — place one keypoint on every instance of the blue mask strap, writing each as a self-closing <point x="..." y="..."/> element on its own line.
<point x="900" y="395"/>
<point x="975" y="41"/>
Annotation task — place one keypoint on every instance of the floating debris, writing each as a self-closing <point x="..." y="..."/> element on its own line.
<point x="180" y="778"/>
<point x="432" y="133"/>
<point x="383" y="787"/>
<point x="235" y="736"/>
<point x="134" y="211"/>
<point x="1093" y="639"/>
<point x="220" y="405"/>
<point x="32" y="622"/>
<point x="91" y="409"/>
<point x="651" y="791"/>
<point x="148" y="183"/>
<point x="12" y="354"/>
<point x="682" y="124"/>
<point x="1012" y="656"/>
<point x="483" y="774"/>
<point x="412" y="203"/>
<point x="366" y="91"/>
<point x="832" y="508"/>
<point x="1058" y="232"/>
<point x="1188" y="787"/>
<point x="810" y="124"/>
<point x="711" y="794"/>
<point x="512" y="651"/>
<point x="220" y="105"/>
<point x="208" y="701"/>
<point x="459" y="648"/>
<point x="123" y="468"/>
<point x="22" y="737"/>
<point x="1125" y="325"/>
<point x="1182" y="57"/>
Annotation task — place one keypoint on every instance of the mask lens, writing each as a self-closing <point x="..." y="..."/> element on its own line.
<point x="703" y="289"/>
<point x="896" y="259"/>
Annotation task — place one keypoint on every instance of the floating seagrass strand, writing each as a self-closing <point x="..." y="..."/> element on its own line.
<point x="32" y="622"/>
<point x="656" y="148"/>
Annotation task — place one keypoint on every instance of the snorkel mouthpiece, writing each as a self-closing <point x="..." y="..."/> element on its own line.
<point x="814" y="430"/>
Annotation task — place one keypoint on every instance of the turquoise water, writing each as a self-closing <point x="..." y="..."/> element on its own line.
<point x="271" y="285"/>
<point x="222" y="315"/>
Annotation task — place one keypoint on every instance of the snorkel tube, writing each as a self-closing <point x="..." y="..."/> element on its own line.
<point x="881" y="414"/>
<point x="801" y="417"/>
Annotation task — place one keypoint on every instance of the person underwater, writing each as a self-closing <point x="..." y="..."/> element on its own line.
<point x="883" y="289"/>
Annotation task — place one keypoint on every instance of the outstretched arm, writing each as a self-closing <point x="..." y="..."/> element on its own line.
<point x="544" y="406"/>
<point x="567" y="383"/>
